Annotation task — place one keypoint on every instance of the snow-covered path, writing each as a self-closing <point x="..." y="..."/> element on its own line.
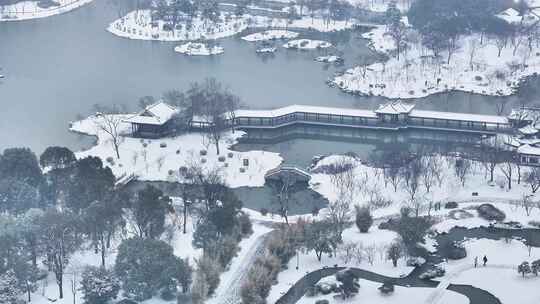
<point x="437" y="294"/>
<point x="228" y="291"/>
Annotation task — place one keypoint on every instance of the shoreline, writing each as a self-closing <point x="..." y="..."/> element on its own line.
<point x="8" y="15"/>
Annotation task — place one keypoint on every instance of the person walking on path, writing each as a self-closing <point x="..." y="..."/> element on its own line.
<point x="485" y="260"/>
<point x="475" y="261"/>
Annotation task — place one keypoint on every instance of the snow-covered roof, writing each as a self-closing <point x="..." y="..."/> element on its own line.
<point x="155" y="114"/>
<point x="529" y="150"/>
<point x="306" y="109"/>
<point x="528" y="130"/>
<point x="525" y="114"/>
<point x="459" y="116"/>
<point x="395" y="107"/>
<point x="512" y="16"/>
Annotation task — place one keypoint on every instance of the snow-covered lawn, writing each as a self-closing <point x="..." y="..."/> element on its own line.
<point x="26" y="10"/>
<point x="369" y="183"/>
<point x="307" y="44"/>
<point x="198" y="49"/>
<point x="270" y="35"/>
<point x="381" y="5"/>
<point x="500" y="277"/>
<point x="418" y="74"/>
<point x="369" y="293"/>
<point x="376" y="241"/>
<point x="160" y="159"/>
<point x="138" y="25"/>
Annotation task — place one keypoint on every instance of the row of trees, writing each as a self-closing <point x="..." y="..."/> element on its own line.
<point x="74" y="206"/>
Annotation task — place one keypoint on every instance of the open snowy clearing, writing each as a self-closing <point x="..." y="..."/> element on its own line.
<point x="270" y="35"/>
<point x="307" y="44"/>
<point x="27" y="10"/>
<point x="138" y="25"/>
<point x="198" y="49"/>
<point x="503" y="258"/>
<point x="369" y="293"/>
<point x="160" y="159"/>
<point x="474" y="67"/>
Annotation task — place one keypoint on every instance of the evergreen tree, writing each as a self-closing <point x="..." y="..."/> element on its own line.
<point x="364" y="220"/>
<point x="99" y="285"/>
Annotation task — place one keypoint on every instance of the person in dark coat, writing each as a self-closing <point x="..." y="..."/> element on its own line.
<point x="485" y="260"/>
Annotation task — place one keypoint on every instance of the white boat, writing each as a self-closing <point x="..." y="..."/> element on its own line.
<point x="266" y="50"/>
<point x="1" y="76"/>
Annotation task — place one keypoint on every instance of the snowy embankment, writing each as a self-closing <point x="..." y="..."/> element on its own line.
<point x="27" y="10"/>
<point x="198" y="49"/>
<point x="270" y="35"/>
<point x="474" y="67"/>
<point x="138" y="25"/>
<point x="160" y="159"/>
<point x="307" y="44"/>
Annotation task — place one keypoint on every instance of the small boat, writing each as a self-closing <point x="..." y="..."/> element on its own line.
<point x="2" y="76"/>
<point x="266" y="50"/>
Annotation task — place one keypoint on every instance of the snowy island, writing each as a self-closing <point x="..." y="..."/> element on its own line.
<point x="199" y="49"/>
<point x="26" y="10"/>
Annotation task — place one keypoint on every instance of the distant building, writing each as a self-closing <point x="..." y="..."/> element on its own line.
<point x="154" y="121"/>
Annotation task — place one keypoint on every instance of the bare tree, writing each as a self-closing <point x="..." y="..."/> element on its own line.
<point x="532" y="178"/>
<point x="110" y="122"/>
<point x="507" y="169"/>
<point x="398" y="33"/>
<point x="429" y="171"/>
<point x="527" y="203"/>
<point x="462" y="168"/>
<point x="473" y="47"/>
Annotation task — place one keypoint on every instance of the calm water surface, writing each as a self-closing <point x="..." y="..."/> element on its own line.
<point x="59" y="67"/>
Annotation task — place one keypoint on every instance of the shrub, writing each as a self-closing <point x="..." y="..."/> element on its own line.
<point x="163" y="145"/>
<point x="110" y="160"/>
<point x="144" y="144"/>
<point x="524" y="268"/>
<point x="387" y="287"/>
<point x="177" y="151"/>
<point x="221" y="158"/>
<point x="170" y="172"/>
<point x="210" y="270"/>
<point x="364" y="220"/>
<point x="435" y="272"/>
<point x="264" y="211"/>
<point x="99" y="285"/>
<point x="203" y="160"/>
<point x="242" y="170"/>
<point x="412" y="229"/>
<point x="203" y="152"/>
<point x="246" y="228"/>
<point x="323" y="301"/>
<point x="478" y="78"/>
<point x="490" y="212"/>
<point x="451" y="205"/>
<point x="230" y="154"/>
<point x="416" y="261"/>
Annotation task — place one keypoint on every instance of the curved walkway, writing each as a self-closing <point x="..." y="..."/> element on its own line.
<point x="475" y="295"/>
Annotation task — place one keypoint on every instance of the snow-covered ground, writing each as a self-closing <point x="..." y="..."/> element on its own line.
<point x="198" y="49"/>
<point x="500" y="277"/>
<point x="381" y="5"/>
<point x="418" y="74"/>
<point x="26" y="10"/>
<point x="270" y="35"/>
<point x="138" y="25"/>
<point x="369" y="293"/>
<point x="307" y="44"/>
<point x="373" y="244"/>
<point x="369" y="184"/>
<point x="160" y="159"/>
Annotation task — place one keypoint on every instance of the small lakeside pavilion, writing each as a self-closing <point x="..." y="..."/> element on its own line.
<point x="154" y="121"/>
